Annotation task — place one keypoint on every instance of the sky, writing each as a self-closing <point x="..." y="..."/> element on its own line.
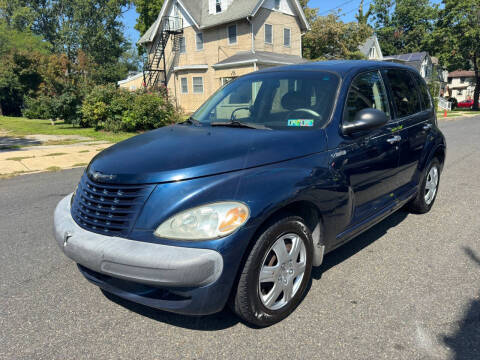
<point x="348" y="11"/>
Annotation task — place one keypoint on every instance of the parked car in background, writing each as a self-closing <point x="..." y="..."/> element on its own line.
<point x="465" y="104"/>
<point x="236" y="204"/>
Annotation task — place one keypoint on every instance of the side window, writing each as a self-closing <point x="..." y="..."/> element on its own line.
<point x="405" y="96"/>
<point x="424" y="94"/>
<point x="366" y="91"/>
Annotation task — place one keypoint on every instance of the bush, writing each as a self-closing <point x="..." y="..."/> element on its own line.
<point x="38" y="108"/>
<point x="65" y="107"/>
<point x="95" y="109"/>
<point x="112" y="109"/>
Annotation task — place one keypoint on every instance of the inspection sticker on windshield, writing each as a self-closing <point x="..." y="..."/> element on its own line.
<point x="300" y="122"/>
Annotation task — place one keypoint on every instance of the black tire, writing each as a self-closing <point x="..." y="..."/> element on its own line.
<point x="245" y="301"/>
<point x="419" y="205"/>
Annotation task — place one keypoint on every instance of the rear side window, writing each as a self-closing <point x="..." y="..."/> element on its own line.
<point x="422" y="86"/>
<point x="366" y="91"/>
<point x="404" y="92"/>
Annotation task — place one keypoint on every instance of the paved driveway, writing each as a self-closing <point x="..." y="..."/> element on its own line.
<point x="407" y="289"/>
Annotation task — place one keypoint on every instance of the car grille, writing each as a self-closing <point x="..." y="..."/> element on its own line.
<point x="108" y="209"/>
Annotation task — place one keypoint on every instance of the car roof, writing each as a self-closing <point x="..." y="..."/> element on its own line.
<point x="341" y="67"/>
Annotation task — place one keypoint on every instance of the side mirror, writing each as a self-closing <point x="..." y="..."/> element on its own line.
<point x="366" y="119"/>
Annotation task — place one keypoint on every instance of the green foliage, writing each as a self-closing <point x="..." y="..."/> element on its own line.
<point x="331" y="38"/>
<point x="112" y="109"/>
<point x="64" y="107"/>
<point x="404" y="26"/>
<point x="18" y="76"/>
<point x="148" y="11"/>
<point x="434" y="87"/>
<point x="11" y="39"/>
<point x="149" y="111"/>
<point x="457" y="38"/>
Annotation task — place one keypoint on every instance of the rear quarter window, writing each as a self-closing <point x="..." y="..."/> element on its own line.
<point x="404" y="92"/>
<point x="424" y="94"/>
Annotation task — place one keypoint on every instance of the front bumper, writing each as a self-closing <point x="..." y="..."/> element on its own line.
<point x="139" y="262"/>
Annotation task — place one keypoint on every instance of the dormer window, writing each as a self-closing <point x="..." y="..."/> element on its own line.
<point x="218" y="6"/>
<point x="277" y="4"/>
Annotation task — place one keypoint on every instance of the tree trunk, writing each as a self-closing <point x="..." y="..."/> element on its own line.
<point x="476" y="92"/>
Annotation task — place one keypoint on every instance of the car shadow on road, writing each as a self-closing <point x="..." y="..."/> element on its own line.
<point x="465" y="342"/>
<point x="219" y="321"/>
<point x="359" y="243"/>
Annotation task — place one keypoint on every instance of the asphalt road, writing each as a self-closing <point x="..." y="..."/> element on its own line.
<point x="407" y="289"/>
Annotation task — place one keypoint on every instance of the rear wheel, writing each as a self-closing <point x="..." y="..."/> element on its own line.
<point x="276" y="273"/>
<point x="427" y="192"/>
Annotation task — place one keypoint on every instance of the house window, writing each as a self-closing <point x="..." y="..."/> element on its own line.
<point x="198" y="85"/>
<point x="449" y="80"/>
<point x="372" y="53"/>
<point x="277" y="5"/>
<point x="184" y="83"/>
<point x="232" y="34"/>
<point x="218" y="6"/>
<point x="226" y="80"/>
<point x="462" y="80"/>
<point x="183" y="48"/>
<point x="286" y="37"/>
<point x="199" y="39"/>
<point x="268" y="34"/>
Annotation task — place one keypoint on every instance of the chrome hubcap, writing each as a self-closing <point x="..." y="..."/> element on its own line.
<point x="282" y="271"/>
<point x="431" y="185"/>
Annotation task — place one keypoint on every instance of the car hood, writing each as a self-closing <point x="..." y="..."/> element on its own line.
<point x="183" y="152"/>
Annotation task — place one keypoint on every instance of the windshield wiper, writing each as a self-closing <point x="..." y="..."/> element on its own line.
<point x="191" y="121"/>
<point x="240" y="124"/>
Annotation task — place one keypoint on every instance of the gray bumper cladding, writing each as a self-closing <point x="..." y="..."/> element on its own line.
<point x="137" y="261"/>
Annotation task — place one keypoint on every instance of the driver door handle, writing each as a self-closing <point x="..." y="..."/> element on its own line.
<point x="427" y="127"/>
<point x="394" y="139"/>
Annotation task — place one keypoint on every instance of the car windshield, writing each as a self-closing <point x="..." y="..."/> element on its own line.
<point x="275" y="100"/>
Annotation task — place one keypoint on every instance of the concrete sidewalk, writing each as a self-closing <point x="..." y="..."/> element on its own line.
<point x="48" y="158"/>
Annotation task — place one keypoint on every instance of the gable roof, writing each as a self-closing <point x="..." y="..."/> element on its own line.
<point x="372" y="41"/>
<point x="198" y="11"/>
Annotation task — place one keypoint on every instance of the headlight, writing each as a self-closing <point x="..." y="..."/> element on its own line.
<point x="205" y="222"/>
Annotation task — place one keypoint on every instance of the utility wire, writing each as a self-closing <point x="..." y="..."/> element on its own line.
<point x="336" y="7"/>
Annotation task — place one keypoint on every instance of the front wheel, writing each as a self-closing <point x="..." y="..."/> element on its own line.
<point x="276" y="273"/>
<point x="427" y="192"/>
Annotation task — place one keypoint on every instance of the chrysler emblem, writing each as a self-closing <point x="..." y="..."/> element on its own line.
<point x="98" y="176"/>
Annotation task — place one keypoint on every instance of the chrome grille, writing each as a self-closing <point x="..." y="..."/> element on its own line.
<point x="108" y="209"/>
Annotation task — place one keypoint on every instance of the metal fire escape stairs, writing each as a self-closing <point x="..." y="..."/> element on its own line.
<point x="155" y="67"/>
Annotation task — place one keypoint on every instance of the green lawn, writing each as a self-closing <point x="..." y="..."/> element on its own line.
<point x="456" y="112"/>
<point x="18" y="126"/>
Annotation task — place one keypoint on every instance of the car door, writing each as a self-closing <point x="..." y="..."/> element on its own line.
<point x="415" y="118"/>
<point x="371" y="158"/>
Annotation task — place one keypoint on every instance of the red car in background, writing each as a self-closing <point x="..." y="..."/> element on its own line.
<point x="465" y="104"/>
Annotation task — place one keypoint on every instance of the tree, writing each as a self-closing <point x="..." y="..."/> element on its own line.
<point x="362" y="18"/>
<point x="457" y="38"/>
<point x="148" y="11"/>
<point x="91" y="26"/>
<point x="404" y="26"/>
<point x="310" y="13"/>
<point x="331" y="38"/>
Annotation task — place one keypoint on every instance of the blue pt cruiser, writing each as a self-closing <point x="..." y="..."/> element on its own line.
<point x="236" y="204"/>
